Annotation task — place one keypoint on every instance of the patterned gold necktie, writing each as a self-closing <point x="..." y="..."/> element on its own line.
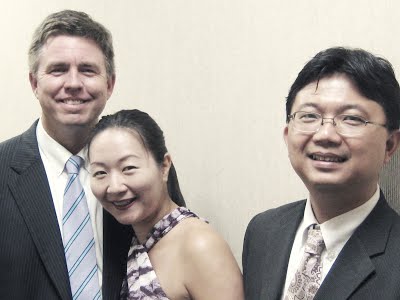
<point x="307" y="279"/>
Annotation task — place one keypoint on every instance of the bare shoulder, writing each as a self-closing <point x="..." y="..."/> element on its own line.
<point x="194" y="237"/>
<point x="210" y="268"/>
<point x="199" y="236"/>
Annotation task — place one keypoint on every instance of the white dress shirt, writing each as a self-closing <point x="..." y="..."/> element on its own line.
<point x="54" y="157"/>
<point x="336" y="232"/>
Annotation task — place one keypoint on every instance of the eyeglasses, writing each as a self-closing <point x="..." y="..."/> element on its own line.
<point x="347" y="125"/>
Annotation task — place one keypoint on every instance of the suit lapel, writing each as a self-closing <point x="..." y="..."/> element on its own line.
<point x="279" y="244"/>
<point x="350" y="269"/>
<point x="32" y="194"/>
<point x="354" y="265"/>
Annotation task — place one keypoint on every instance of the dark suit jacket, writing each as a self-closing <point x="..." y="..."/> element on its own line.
<point x="368" y="267"/>
<point x="32" y="260"/>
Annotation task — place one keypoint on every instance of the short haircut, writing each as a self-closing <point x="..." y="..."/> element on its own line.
<point x="373" y="76"/>
<point x="71" y="23"/>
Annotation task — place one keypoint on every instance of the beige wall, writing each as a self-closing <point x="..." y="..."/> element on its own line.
<point x="214" y="74"/>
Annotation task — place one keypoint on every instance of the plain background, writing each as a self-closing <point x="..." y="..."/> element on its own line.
<point x="214" y="74"/>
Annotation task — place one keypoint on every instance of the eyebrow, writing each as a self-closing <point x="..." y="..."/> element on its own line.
<point x="89" y="65"/>
<point x="122" y="159"/>
<point x="342" y="108"/>
<point x="308" y="104"/>
<point x="84" y="64"/>
<point x="56" y="64"/>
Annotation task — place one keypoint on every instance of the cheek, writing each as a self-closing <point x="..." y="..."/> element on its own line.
<point x="140" y="185"/>
<point x="50" y="85"/>
<point x="146" y="184"/>
<point x="98" y="188"/>
<point x="373" y="154"/>
<point x="296" y="145"/>
<point x="96" y="86"/>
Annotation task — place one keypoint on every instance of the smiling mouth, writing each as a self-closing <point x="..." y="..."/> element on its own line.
<point x="327" y="158"/>
<point x="124" y="203"/>
<point x="73" y="101"/>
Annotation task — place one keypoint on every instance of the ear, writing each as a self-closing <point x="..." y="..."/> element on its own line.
<point x="392" y="144"/>
<point x="166" y="165"/>
<point x="285" y="134"/>
<point x="34" y="82"/>
<point x="110" y="85"/>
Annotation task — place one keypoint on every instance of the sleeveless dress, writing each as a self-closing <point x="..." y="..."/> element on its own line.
<point x="141" y="282"/>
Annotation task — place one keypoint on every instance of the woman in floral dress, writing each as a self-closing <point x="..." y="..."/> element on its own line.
<point x="174" y="254"/>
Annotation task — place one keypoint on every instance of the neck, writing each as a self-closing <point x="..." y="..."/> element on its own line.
<point x="143" y="228"/>
<point x="327" y="204"/>
<point x="72" y="138"/>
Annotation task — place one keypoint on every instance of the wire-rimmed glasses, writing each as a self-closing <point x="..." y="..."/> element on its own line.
<point x="347" y="125"/>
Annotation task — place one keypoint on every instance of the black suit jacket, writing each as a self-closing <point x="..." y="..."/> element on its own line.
<point x="32" y="260"/>
<point x="368" y="267"/>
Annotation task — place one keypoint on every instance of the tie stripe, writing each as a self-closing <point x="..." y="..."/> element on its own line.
<point x="74" y="205"/>
<point x="80" y="258"/>
<point x="78" y="239"/>
<point x="77" y="232"/>
<point x="70" y="181"/>
<point x="97" y="296"/>
<point x="85" y="283"/>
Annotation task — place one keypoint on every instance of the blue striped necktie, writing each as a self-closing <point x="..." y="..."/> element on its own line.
<point x="78" y="238"/>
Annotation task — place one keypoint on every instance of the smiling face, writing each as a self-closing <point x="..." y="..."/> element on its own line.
<point x="126" y="179"/>
<point x="71" y="82"/>
<point x="326" y="160"/>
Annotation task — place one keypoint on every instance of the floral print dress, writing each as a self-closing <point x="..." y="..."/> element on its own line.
<point x="141" y="282"/>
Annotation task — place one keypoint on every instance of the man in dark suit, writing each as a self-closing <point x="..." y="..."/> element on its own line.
<point x="343" y="241"/>
<point x="71" y="63"/>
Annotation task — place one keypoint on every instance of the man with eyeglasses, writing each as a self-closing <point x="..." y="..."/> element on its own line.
<point x="343" y="241"/>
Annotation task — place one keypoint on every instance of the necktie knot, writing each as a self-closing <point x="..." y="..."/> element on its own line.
<point x="73" y="164"/>
<point x="315" y="242"/>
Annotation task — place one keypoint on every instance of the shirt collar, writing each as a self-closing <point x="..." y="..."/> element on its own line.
<point x="338" y="230"/>
<point x="308" y="220"/>
<point x="53" y="152"/>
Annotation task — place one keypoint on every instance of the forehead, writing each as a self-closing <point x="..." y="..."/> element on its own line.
<point x="336" y="92"/>
<point x="118" y="135"/>
<point x="68" y="49"/>
<point x="119" y="141"/>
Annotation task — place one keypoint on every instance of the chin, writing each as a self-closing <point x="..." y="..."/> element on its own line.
<point x="325" y="182"/>
<point x="78" y="123"/>
<point x="123" y="221"/>
<point x="328" y="186"/>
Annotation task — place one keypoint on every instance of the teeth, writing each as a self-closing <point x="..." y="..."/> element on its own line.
<point x="327" y="158"/>
<point x="73" y="101"/>
<point x="123" y="202"/>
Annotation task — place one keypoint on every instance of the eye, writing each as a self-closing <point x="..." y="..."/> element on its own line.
<point x="307" y="117"/>
<point x="99" y="174"/>
<point x="128" y="168"/>
<point x="57" y="71"/>
<point x="88" y="70"/>
<point x="351" y="120"/>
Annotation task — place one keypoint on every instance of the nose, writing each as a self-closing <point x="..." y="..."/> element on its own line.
<point x="116" y="185"/>
<point x="327" y="132"/>
<point x="73" y="81"/>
